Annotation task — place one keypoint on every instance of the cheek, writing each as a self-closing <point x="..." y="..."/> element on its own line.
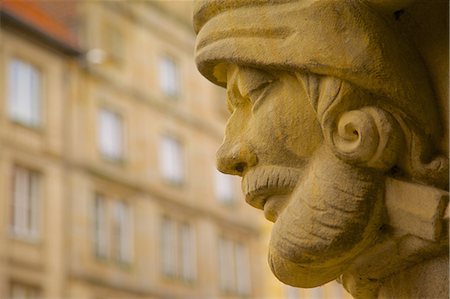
<point x="299" y="129"/>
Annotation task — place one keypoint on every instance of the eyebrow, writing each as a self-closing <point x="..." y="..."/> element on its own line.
<point x="242" y="81"/>
<point x="251" y="79"/>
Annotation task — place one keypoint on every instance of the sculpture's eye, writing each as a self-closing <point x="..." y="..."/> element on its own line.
<point x="253" y="84"/>
<point x="247" y="86"/>
<point x="258" y="94"/>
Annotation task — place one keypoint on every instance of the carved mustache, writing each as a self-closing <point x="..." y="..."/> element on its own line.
<point x="263" y="181"/>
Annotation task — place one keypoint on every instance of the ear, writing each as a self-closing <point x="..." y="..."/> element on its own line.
<point x="359" y="132"/>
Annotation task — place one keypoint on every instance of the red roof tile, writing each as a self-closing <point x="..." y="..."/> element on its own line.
<point x="33" y="15"/>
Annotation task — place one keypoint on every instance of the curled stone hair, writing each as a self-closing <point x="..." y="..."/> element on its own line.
<point x="365" y="130"/>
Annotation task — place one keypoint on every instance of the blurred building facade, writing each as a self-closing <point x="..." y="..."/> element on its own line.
<point x="37" y="60"/>
<point x="107" y="160"/>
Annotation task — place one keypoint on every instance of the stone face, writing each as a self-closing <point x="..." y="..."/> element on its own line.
<point x="336" y="131"/>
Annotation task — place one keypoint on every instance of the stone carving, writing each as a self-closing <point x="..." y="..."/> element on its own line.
<point x="335" y="130"/>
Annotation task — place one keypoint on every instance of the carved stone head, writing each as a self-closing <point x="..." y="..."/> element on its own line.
<point x="326" y="101"/>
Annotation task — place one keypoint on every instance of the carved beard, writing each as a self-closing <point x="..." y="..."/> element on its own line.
<point x="334" y="213"/>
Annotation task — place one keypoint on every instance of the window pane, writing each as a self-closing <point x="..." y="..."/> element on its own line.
<point x="316" y="293"/>
<point x="337" y="290"/>
<point x="101" y="228"/>
<point x="33" y="196"/>
<point x="242" y="270"/>
<point x="25" y="203"/>
<point x="169" y="80"/>
<point x="24" y="93"/>
<point x="171" y="160"/>
<point x="122" y="231"/>
<point x="226" y="265"/>
<point x="169" y="247"/>
<point x="19" y="201"/>
<point x="35" y="96"/>
<point x="291" y="292"/>
<point x="110" y="134"/>
<point x="224" y="187"/>
<point x="188" y="253"/>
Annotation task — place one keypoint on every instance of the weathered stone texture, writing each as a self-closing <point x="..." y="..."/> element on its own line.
<point x="338" y="130"/>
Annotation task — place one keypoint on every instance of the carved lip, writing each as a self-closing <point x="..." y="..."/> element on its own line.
<point x="261" y="183"/>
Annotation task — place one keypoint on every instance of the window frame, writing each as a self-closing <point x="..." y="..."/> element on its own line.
<point x="26" y="213"/>
<point x="122" y="223"/>
<point x="169" y="74"/>
<point x="172" y="160"/>
<point x="224" y="182"/>
<point x="119" y="125"/>
<point x="119" y="239"/>
<point x="101" y="230"/>
<point x="233" y="280"/>
<point x="35" y="119"/>
<point x="176" y="263"/>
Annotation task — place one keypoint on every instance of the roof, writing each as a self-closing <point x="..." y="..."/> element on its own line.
<point x="34" y="19"/>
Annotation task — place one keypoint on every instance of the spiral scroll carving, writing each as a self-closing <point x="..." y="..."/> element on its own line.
<point x="365" y="137"/>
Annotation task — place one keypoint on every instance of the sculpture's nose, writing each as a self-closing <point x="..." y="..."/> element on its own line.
<point x="235" y="158"/>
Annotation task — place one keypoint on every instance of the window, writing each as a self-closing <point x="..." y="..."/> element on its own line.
<point x="22" y="291"/>
<point x="188" y="253"/>
<point x="25" y="204"/>
<point x="169" y="246"/>
<point x="224" y="187"/>
<point x="111" y="134"/>
<point x="226" y="266"/>
<point x="24" y="93"/>
<point x="316" y="293"/>
<point x="122" y="231"/>
<point x="178" y="250"/>
<point x="291" y="292"/>
<point x="336" y="289"/>
<point x="242" y="269"/>
<point x="113" y="229"/>
<point x="171" y="160"/>
<point x="234" y="267"/>
<point x="169" y="77"/>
